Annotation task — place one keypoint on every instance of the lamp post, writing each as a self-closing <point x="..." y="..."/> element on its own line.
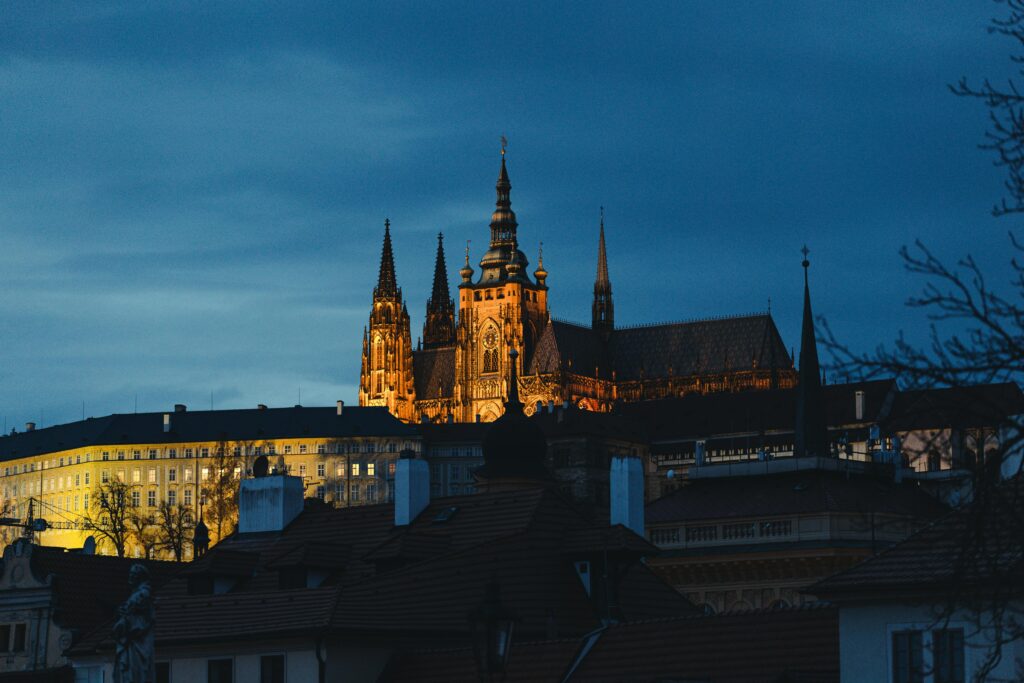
<point x="491" y="626"/>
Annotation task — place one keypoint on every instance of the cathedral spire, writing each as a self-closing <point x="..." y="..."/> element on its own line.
<point x="603" y="309"/>
<point x="503" y="220"/>
<point x="811" y="434"/>
<point x="439" y="328"/>
<point x="387" y="286"/>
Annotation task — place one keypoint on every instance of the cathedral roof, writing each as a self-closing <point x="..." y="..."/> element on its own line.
<point x="681" y="349"/>
<point x="434" y="372"/>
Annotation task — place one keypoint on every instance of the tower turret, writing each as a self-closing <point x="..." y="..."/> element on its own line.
<point x="439" y="328"/>
<point x="811" y="434"/>
<point x="603" y="309"/>
<point x="503" y="260"/>
<point x="386" y="377"/>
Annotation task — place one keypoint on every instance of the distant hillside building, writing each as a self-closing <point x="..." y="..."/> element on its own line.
<point x="459" y="371"/>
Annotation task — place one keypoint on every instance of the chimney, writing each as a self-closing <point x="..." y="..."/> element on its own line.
<point x="627" y="489"/>
<point x="30" y="426"/>
<point x="412" y="487"/>
<point x="167" y="422"/>
<point x="858" y="404"/>
<point x="269" y="503"/>
<point x="451" y="418"/>
<point x="341" y="407"/>
<point x="551" y="406"/>
<point x="699" y="452"/>
<point x="180" y="407"/>
<point x="538" y="408"/>
<point x="261" y="406"/>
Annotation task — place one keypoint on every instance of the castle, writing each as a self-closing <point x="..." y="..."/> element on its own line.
<point x="460" y="371"/>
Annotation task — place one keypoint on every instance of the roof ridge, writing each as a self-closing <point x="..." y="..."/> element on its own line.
<point x="666" y="323"/>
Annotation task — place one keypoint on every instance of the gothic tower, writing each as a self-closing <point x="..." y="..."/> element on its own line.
<point x="439" y="328"/>
<point x="386" y="378"/>
<point x="503" y="310"/>
<point x="811" y="433"/>
<point x="603" y="311"/>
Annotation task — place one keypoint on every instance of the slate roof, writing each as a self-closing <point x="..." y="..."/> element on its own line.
<point x="979" y="545"/>
<point x="753" y="647"/>
<point x="791" y="493"/>
<point x="434" y="372"/>
<point x="682" y="349"/>
<point x="982" y="405"/>
<point x="205" y="425"/>
<point x="454" y="432"/>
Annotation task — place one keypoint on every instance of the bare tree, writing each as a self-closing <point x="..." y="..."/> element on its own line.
<point x="220" y="489"/>
<point x="144" y="532"/>
<point x="109" y="515"/>
<point x="174" y="528"/>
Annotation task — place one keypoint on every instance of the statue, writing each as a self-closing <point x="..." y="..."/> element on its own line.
<point x="134" y="660"/>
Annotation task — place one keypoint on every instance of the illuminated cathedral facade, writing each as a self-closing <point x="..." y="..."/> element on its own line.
<point x="461" y="368"/>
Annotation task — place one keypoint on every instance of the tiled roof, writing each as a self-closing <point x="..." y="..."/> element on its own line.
<point x="701" y="415"/>
<point x="89" y="588"/>
<point x="981" y="544"/>
<point x="790" y="493"/>
<point x="423" y="578"/>
<point x="570" y="347"/>
<point x="205" y="425"/>
<point x="800" y="644"/>
<point x="434" y="372"/>
<point x="983" y="405"/>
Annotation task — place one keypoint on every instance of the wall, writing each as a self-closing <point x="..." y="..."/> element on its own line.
<point x="865" y="642"/>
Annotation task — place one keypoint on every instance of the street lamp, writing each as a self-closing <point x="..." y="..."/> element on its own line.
<point x="491" y="625"/>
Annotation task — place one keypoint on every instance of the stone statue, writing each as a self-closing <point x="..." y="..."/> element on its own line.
<point x="133" y="631"/>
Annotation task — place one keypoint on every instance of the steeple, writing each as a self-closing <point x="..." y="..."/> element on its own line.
<point x="603" y="309"/>
<point x="439" y="328"/>
<point x="503" y="220"/>
<point x="811" y="434"/>
<point x="387" y="286"/>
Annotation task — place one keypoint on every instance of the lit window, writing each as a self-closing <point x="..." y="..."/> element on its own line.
<point x="204" y="474"/>
<point x="371" y="468"/>
<point x="355" y="469"/>
<point x="120" y="475"/>
<point x="152" y="475"/>
<point x="136" y="476"/>
<point x="188" y="473"/>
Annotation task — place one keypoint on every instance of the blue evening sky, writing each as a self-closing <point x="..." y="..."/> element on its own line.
<point x="192" y="195"/>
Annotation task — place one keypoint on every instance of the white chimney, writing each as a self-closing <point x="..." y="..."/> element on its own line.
<point x="341" y="407"/>
<point x="858" y="404"/>
<point x="412" y="488"/>
<point x="269" y="503"/>
<point x="699" y="453"/>
<point x="30" y="426"/>
<point x="167" y="422"/>
<point x="627" y="492"/>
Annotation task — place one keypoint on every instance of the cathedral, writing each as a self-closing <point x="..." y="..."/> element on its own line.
<point x="461" y="369"/>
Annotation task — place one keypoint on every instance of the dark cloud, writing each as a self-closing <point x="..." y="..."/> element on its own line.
<point x="192" y="193"/>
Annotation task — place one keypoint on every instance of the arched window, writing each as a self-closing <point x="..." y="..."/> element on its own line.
<point x="491" y="361"/>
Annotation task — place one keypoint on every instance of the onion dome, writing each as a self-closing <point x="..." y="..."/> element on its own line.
<point x="514" y="447"/>
<point x="540" y="273"/>
<point x="467" y="270"/>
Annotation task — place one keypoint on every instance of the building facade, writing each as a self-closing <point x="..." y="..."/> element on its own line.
<point x="344" y="456"/>
<point x="460" y="369"/>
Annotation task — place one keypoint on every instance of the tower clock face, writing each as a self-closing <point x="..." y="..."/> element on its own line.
<point x="490" y="339"/>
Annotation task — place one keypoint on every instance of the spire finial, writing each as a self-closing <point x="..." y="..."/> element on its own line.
<point x="504" y="145"/>
<point x="540" y="255"/>
<point x="467" y="251"/>
<point x="769" y="305"/>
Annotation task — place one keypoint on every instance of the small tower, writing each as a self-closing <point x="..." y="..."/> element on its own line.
<point x="439" y="328"/>
<point x="386" y="378"/>
<point x="811" y="433"/>
<point x="603" y="309"/>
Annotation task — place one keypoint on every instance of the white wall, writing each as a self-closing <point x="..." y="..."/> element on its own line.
<point x="865" y="637"/>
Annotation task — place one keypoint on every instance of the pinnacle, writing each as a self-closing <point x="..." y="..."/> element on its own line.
<point x="387" y="284"/>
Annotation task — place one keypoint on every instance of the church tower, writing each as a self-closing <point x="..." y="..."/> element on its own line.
<point x="439" y="328"/>
<point x="603" y="311"/>
<point x="503" y="311"/>
<point x="811" y="433"/>
<point x="386" y="378"/>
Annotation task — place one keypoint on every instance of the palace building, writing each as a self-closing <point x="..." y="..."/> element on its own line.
<point x="460" y="370"/>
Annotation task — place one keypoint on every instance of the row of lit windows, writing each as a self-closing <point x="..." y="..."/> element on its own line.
<point x="334" y="448"/>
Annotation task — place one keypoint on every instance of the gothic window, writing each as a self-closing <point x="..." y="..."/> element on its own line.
<point x="490" y="361"/>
